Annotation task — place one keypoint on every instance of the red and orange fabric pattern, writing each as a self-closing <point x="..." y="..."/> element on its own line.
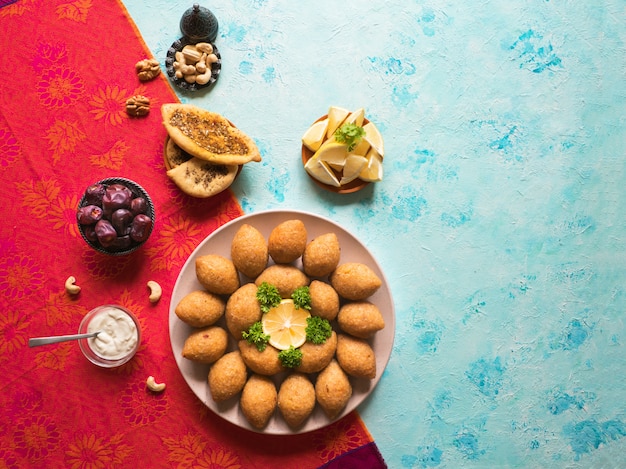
<point x="68" y="71"/>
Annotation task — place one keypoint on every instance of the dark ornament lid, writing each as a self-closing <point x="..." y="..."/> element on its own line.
<point x="198" y="24"/>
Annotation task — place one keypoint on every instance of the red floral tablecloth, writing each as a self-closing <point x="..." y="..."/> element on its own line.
<point x="68" y="69"/>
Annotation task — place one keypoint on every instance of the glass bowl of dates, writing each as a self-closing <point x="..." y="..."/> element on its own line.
<point x="115" y="216"/>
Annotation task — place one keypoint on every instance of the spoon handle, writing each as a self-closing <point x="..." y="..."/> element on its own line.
<point x="37" y="341"/>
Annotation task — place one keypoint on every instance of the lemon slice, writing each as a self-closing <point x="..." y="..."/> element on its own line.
<point x="373" y="171"/>
<point x="355" y="117"/>
<point x="332" y="153"/>
<point x="352" y="168"/>
<point x="362" y="147"/>
<point x="374" y="138"/>
<point x="336" y="116"/>
<point x="321" y="171"/>
<point x="315" y="135"/>
<point x="286" y="325"/>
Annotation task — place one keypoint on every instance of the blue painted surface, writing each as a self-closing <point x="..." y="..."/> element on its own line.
<point x="501" y="218"/>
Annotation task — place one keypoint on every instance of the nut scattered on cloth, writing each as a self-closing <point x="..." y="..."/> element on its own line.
<point x="147" y="69"/>
<point x="138" y="106"/>
<point x="71" y="287"/>
<point x="155" y="291"/>
<point x="153" y="386"/>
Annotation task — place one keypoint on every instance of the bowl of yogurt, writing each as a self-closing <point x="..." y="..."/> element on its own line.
<point x="118" y="339"/>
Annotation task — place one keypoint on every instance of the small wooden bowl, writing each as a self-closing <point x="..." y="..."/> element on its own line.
<point x="352" y="186"/>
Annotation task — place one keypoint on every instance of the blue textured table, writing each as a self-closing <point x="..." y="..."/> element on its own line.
<point x="501" y="218"/>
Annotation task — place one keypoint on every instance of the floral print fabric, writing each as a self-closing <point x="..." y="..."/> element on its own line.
<point x="68" y="71"/>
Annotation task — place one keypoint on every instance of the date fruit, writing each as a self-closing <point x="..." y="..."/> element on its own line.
<point x="140" y="229"/>
<point x="89" y="215"/>
<point x="106" y="233"/>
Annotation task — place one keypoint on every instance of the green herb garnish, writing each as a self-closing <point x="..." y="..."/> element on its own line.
<point x="267" y="296"/>
<point x="350" y="134"/>
<point x="290" y="358"/>
<point x="255" y="336"/>
<point x="302" y="298"/>
<point x="318" y="330"/>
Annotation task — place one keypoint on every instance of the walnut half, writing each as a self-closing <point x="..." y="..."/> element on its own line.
<point x="138" y="106"/>
<point x="147" y="69"/>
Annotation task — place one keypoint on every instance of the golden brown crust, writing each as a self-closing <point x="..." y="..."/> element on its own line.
<point x="200" y="308"/>
<point x="206" y="345"/>
<point x="315" y="357"/>
<point x="361" y="319"/>
<point x="354" y="281"/>
<point x="356" y="357"/>
<point x="258" y="400"/>
<point x="296" y="399"/>
<point x="287" y="241"/>
<point x="249" y="251"/>
<point x="208" y="135"/>
<point x="201" y="179"/>
<point x="321" y="256"/>
<point x="227" y="376"/>
<point x="285" y="277"/>
<point x="242" y="310"/>
<point x="265" y="363"/>
<point x="217" y="274"/>
<point x="333" y="389"/>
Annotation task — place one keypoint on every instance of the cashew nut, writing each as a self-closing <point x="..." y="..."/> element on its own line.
<point x="155" y="291"/>
<point x="70" y="286"/>
<point x="204" y="78"/>
<point x="153" y="385"/>
<point x="180" y="58"/>
<point x="204" y="47"/>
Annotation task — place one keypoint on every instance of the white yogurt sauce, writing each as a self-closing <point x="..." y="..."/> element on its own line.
<point x="118" y="334"/>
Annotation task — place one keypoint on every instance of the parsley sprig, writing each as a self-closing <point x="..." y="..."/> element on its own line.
<point x="290" y="358"/>
<point x="255" y="336"/>
<point x="350" y="134"/>
<point x="267" y="296"/>
<point x="301" y="298"/>
<point x="318" y="330"/>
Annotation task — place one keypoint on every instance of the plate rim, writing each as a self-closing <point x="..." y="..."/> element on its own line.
<point x="173" y="322"/>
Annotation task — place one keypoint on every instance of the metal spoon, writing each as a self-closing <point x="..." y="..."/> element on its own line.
<point x="37" y="341"/>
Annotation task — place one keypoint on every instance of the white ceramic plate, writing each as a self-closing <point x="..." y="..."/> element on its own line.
<point x="352" y="250"/>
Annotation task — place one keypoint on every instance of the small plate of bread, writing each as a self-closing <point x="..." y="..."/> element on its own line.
<point x="204" y="152"/>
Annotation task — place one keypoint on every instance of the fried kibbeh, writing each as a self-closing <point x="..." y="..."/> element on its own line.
<point x="242" y="310"/>
<point x="296" y="399"/>
<point x="315" y="357"/>
<point x="200" y="308"/>
<point x="287" y="241"/>
<point x="355" y="356"/>
<point x="324" y="375"/>
<point x="265" y="363"/>
<point x="217" y="274"/>
<point x="354" y="281"/>
<point x="321" y="256"/>
<point x="286" y="278"/>
<point x="324" y="300"/>
<point x="249" y="251"/>
<point x="333" y="389"/>
<point x="227" y="376"/>
<point x="360" y="318"/>
<point x="206" y="345"/>
<point x="258" y="400"/>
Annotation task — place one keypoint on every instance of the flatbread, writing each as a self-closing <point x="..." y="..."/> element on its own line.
<point x="207" y="135"/>
<point x="199" y="178"/>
